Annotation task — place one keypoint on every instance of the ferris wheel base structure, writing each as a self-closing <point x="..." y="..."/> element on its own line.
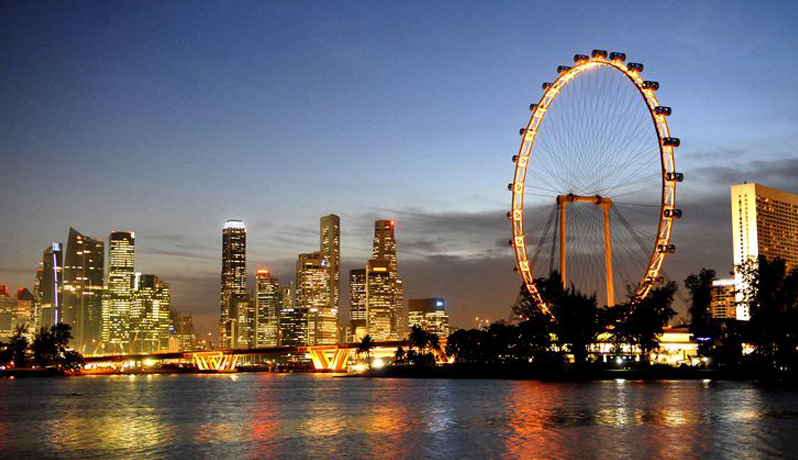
<point x="667" y="179"/>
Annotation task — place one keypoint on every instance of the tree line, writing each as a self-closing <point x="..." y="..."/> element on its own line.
<point x="48" y="349"/>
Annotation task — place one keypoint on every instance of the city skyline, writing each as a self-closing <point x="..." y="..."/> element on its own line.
<point x="441" y="173"/>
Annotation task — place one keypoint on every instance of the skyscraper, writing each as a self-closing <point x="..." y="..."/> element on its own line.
<point x="38" y="296"/>
<point x="293" y="320"/>
<point x="764" y="223"/>
<point x="150" y="314"/>
<point x="384" y="249"/>
<point x="51" y="285"/>
<point x="84" y="268"/>
<point x="722" y="303"/>
<point x="358" y="314"/>
<point x="119" y="295"/>
<point x="234" y="282"/>
<point x="314" y="296"/>
<point x="25" y="308"/>
<point x="380" y="299"/>
<point x="267" y="318"/>
<point x="330" y="245"/>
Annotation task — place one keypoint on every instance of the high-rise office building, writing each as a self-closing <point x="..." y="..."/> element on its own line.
<point x="293" y="320"/>
<point x="25" y="308"/>
<point x="384" y="249"/>
<point x="183" y="334"/>
<point x="118" y="298"/>
<point x="722" y="304"/>
<point x="37" y="296"/>
<point x="150" y="320"/>
<point x="234" y="302"/>
<point x="764" y="223"/>
<point x="330" y="246"/>
<point x="358" y="314"/>
<point x="51" y="285"/>
<point x="84" y="268"/>
<point x="8" y="307"/>
<point x="380" y="300"/>
<point x="430" y="315"/>
<point x="314" y="296"/>
<point x="267" y="318"/>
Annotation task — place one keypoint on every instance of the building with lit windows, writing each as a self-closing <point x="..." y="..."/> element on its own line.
<point x="150" y="320"/>
<point x="118" y="298"/>
<point x="384" y="249"/>
<point x="84" y="269"/>
<point x="358" y="324"/>
<point x="25" y="308"/>
<point x="293" y="320"/>
<point x="764" y="223"/>
<point x="380" y="300"/>
<point x="183" y="337"/>
<point x="314" y="297"/>
<point x="267" y="318"/>
<point x="723" y="302"/>
<point x="51" y="285"/>
<point x="430" y="315"/>
<point x="330" y="247"/>
<point x="37" y="296"/>
<point x="234" y="302"/>
<point x="8" y="306"/>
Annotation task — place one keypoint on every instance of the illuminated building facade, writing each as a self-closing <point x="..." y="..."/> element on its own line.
<point x="430" y="315"/>
<point x="150" y="320"/>
<point x="25" y="308"/>
<point x="182" y="332"/>
<point x="267" y="319"/>
<point x="313" y="296"/>
<point x="330" y="245"/>
<point x="358" y="315"/>
<point x="384" y="250"/>
<point x="380" y="300"/>
<point x="764" y="223"/>
<point x="38" y="296"/>
<point x="51" y="285"/>
<point x="234" y="303"/>
<point x="8" y="306"/>
<point x="723" y="305"/>
<point x="119" y="294"/>
<point x="293" y="320"/>
<point x="84" y="269"/>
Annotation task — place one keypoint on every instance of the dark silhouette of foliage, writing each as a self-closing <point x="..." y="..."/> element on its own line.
<point x="364" y="347"/>
<point x="702" y="326"/>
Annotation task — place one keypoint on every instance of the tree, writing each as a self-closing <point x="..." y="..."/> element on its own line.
<point x="18" y="346"/>
<point x="702" y="326"/>
<point x="399" y="356"/>
<point x="364" y="347"/>
<point x="641" y="323"/>
<point x="50" y="348"/>
<point x="419" y="339"/>
<point x="771" y="293"/>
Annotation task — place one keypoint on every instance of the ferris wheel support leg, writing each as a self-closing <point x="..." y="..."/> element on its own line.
<point x="563" y="273"/>
<point x="606" y="205"/>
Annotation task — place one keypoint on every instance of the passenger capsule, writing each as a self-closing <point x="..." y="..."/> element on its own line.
<point x="510" y="187"/>
<point x="651" y="85"/>
<point x="522" y="132"/>
<point x="509" y="215"/>
<point x="635" y="67"/>
<point x="515" y="158"/>
<point x="671" y="141"/>
<point x="661" y="110"/>
<point x="546" y="86"/>
<point x="511" y="243"/>
<point x="532" y="107"/>
<point x="673" y="213"/>
<point x="599" y="54"/>
<point x="515" y="269"/>
<point x="674" y="176"/>
<point x="666" y="248"/>
<point x="616" y="56"/>
<point x="580" y="58"/>
<point x="655" y="280"/>
<point x="562" y="69"/>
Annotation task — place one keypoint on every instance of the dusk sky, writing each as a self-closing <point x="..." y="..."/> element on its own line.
<point x="168" y="118"/>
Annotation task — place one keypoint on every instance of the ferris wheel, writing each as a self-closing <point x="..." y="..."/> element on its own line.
<point x="594" y="189"/>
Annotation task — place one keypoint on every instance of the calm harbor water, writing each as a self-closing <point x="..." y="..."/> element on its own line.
<point x="318" y="416"/>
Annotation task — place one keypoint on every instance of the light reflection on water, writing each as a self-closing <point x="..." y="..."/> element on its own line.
<point x="307" y="416"/>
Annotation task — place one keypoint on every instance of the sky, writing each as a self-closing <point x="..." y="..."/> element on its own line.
<point x="168" y="118"/>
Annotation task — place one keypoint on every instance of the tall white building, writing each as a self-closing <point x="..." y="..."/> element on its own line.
<point x="764" y="223"/>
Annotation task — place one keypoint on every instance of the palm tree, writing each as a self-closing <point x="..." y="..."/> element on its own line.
<point x="419" y="338"/>
<point x="365" y="346"/>
<point x="18" y="346"/>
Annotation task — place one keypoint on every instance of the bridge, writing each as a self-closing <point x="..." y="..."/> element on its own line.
<point x="333" y="357"/>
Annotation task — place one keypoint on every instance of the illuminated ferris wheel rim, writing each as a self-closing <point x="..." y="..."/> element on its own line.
<point x="668" y="212"/>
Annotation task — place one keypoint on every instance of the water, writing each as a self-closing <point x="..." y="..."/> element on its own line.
<point x="307" y="416"/>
